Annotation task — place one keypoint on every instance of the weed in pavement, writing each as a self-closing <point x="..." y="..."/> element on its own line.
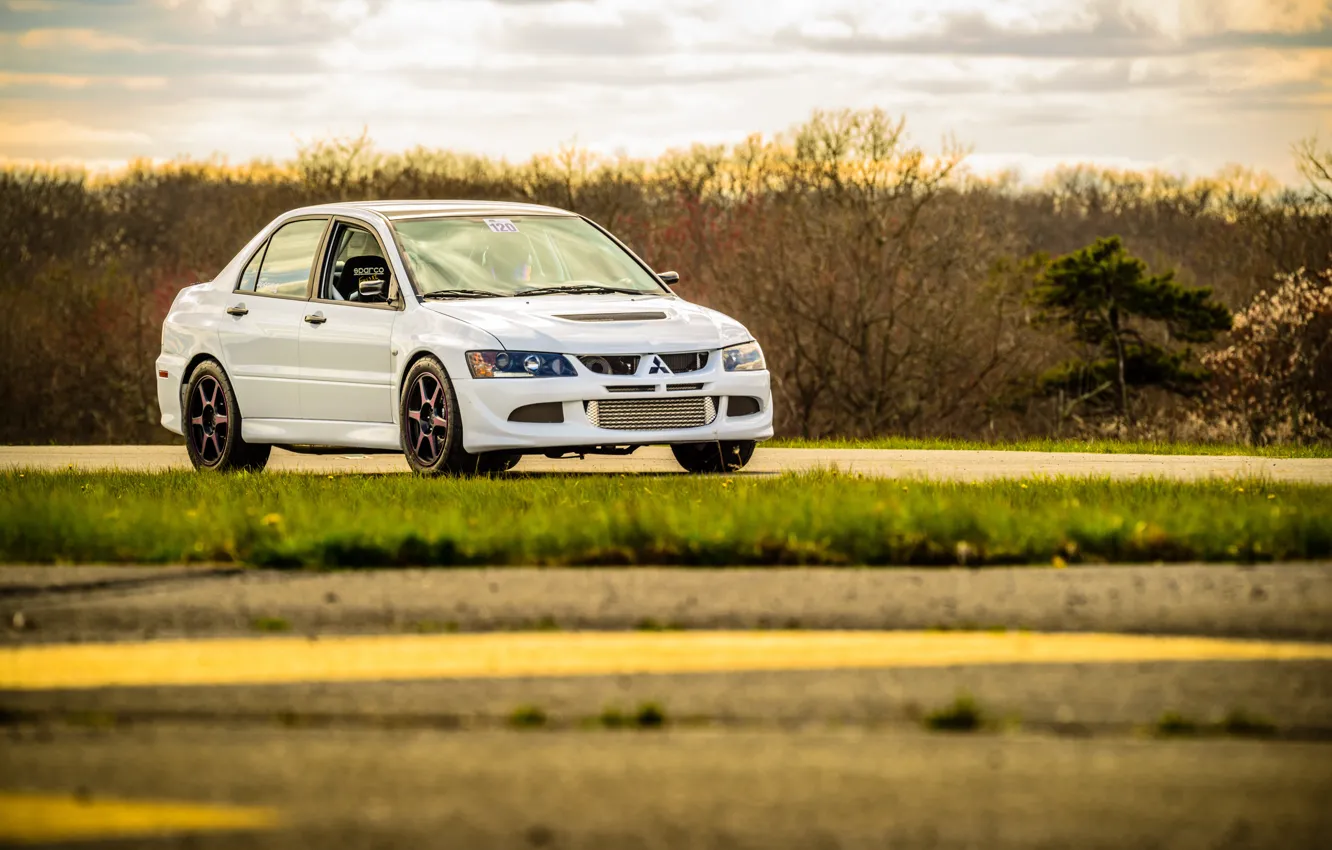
<point x="963" y="715"/>
<point x="270" y="624"/>
<point x="527" y="717"/>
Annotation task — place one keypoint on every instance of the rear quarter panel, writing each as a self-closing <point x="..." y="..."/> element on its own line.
<point x="189" y="330"/>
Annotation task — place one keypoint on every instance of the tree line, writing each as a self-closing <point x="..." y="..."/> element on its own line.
<point x="894" y="291"/>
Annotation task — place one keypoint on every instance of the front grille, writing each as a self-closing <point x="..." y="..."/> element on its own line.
<point x="610" y="364"/>
<point x="675" y="388"/>
<point x="635" y="388"/>
<point x="690" y="362"/>
<point x="652" y="414"/>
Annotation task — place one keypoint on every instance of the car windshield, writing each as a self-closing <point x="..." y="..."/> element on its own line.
<point x="518" y="255"/>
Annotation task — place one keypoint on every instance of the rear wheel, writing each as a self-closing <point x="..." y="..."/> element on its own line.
<point x="431" y="428"/>
<point x="213" y="424"/>
<point x="724" y="456"/>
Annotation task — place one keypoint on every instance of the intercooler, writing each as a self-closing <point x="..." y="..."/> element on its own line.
<point x="652" y="414"/>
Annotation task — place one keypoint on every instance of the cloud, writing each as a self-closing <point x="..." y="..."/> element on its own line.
<point x="79" y="39"/>
<point x="1119" y="75"/>
<point x="1143" y="79"/>
<point x="1110" y="30"/>
<point x="54" y="138"/>
<point x="633" y="34"/>
<point x="69" y="81"/>
<point x="547" y="75"/>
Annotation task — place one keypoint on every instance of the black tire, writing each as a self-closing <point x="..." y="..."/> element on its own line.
<point x="493" y="463"/>
<point x="429" y="422"/>
<point x="725" y="456"/>
<point x="211" y="420"/>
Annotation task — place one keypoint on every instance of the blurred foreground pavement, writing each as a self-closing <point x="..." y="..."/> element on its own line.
<point x="1227" y="743"/>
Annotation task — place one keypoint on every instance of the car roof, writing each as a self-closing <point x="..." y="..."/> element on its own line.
<point x="431" y="209"/>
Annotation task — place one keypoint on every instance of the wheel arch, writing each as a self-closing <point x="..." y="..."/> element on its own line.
<point x="188" y="371"/>
<point x="415" y="357"/>
<point x="194" y="364"/>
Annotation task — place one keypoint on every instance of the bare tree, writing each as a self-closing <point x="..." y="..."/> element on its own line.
<point x="1315" y="165"/>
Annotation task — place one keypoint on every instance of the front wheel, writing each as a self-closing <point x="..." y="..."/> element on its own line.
<point x="724" y="456"/>
<point x="431" y="427"/>
<point x="213" y="424"/>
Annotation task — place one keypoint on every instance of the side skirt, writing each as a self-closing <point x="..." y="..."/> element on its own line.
<point x="320" y="432"/>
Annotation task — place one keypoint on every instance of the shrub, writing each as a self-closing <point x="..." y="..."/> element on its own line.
<point x="1273" y="382"/>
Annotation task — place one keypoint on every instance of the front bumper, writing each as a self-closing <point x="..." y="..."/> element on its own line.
<point x="486" y="404"/>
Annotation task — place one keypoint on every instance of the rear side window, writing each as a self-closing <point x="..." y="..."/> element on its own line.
<point x="251" y="273"/>
<point x="285" y="269"/>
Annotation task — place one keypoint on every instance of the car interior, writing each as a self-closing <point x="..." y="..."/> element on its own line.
<point x="355" y="250"/>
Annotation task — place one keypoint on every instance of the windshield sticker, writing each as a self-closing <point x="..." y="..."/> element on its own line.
<point x="501" y="225"/>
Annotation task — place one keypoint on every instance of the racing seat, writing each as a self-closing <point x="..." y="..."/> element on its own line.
<point x="366" y="267"/>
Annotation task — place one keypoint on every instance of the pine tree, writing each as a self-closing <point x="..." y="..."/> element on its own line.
<point x="1108" y="300"/>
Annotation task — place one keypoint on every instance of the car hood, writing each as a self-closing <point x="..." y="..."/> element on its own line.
<point x="597" y="324"/>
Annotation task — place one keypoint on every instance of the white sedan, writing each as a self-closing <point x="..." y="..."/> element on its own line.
<point x="464" y="334"/>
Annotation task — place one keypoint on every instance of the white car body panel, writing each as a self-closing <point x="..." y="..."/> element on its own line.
<point x="261" y="353"/>
<point x="536" y="324"/>
<point x="338" y="383"/>
<point x="346" y="368"/>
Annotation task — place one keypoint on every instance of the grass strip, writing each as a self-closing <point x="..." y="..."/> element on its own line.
<point x="1119" y="447"/>
<point x="824" y="518"/>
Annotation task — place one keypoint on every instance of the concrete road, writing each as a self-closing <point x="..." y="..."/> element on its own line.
<point x="1287" y="601"/>
<point x="815" y="757"/>
<point x="1291" y="601"/>
<point x="942" y="464"/>
<point x="688" y="788"/>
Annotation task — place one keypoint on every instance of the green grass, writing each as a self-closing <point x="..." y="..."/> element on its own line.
<point x="827" y="518"/>
<point x="1145" y="447"/>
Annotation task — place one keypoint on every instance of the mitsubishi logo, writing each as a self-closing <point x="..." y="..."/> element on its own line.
<point x="658" y="367"/>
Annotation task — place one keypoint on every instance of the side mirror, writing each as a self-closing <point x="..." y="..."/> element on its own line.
<point x="371" y="289"/>
<point x="670" y="278"/>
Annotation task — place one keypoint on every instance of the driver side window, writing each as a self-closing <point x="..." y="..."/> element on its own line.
<point x="341" y="282"/>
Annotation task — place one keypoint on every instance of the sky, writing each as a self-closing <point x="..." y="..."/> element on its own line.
<point x="1185" y="85"/>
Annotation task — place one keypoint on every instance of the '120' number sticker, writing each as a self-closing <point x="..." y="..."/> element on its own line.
<point x="501" y="225"/>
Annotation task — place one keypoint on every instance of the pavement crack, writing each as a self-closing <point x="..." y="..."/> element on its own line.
<point x="30" y="591"/>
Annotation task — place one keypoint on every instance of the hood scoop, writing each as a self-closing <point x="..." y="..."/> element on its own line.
<point x="635" y="316"/>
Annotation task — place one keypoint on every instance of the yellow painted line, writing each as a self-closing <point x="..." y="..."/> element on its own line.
<point x="504" y="655"/>
<point x="43" y="818"/>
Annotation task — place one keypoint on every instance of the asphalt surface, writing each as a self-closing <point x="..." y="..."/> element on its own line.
<point x="686" y="788"/>
<point x="1066" y="753"/>
<point x="1289" y="600"/>
<point x="938" y="464"/>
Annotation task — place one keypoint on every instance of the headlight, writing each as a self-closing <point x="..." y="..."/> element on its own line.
<point x="518" y="364"/>
<point x="745" y="357"/>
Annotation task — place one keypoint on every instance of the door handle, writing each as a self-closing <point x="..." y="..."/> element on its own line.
<point x="238" y="310"/>
<point x="316" y="318"/>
